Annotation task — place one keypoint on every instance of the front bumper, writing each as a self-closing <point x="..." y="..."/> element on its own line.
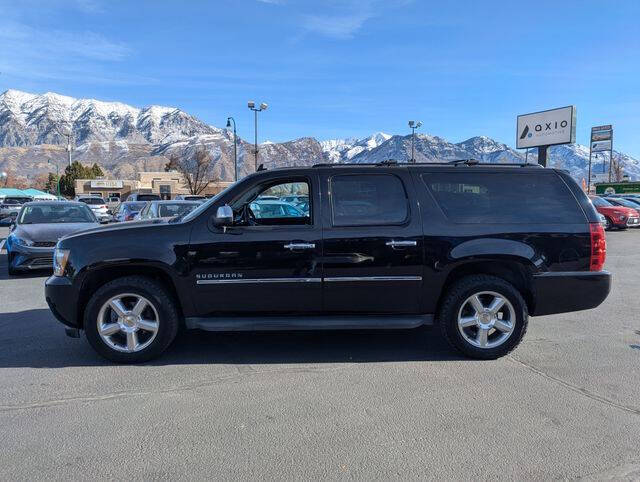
<point x="28" y="258"/>
<point x="566" y="291"/>
<point x="62" y="299"/>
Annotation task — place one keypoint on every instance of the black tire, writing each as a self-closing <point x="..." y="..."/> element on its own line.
<point x="608" y="224"/>
<point x="157" y="294"/>
<point x="10" y="269"/>
<point x="459" y="293"/>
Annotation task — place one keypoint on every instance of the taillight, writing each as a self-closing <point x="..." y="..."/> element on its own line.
<point x="598" y="247"/>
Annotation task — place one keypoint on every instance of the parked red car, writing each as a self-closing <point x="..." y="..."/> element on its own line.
<point x="617" y="216"/>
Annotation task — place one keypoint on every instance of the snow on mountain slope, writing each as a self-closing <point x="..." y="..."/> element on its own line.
<point x="28" y="119"/>
<point x="343" y="150"/>
<point x="124" y="139"/>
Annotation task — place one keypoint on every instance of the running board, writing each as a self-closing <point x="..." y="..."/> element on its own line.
<point x="335" y="322"/>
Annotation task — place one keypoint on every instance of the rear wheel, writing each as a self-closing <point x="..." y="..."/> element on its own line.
<point x="131" y="320"/>
<point x="483" y="316"/>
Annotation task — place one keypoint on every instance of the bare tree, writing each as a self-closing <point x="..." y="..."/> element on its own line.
<point x="197" y="170"/>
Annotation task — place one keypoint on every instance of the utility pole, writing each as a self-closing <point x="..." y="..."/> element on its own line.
<point x="235" y="145"/>
<point x="413" y="125"/>
<point x="263" y="106"/>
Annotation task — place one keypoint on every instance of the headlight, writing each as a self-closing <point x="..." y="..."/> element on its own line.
<point x="60" y="258"/>
<point x="21" y="241"/>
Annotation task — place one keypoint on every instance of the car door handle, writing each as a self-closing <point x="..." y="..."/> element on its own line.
<point x="294" y="246"/>
<point x="401" y="244"/>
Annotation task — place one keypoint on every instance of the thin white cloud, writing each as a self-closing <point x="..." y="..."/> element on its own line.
<point x="21" y="40"/>
<point x="90" y="6"/>
<point x="344" y="19"/>
<point x="336" y="26"/>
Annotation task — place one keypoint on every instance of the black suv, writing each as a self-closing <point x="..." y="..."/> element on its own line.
<point x="475" y="248"/>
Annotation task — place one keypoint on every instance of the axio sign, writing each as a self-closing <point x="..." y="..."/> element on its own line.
<point x="547" y="128"/>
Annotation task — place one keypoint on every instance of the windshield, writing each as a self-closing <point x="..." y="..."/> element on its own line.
<point x="624" y="202"/>
<point x="170" y="210"/>
<point x="205" y="205"/>
<point x="599" y="202"/>
<point x="148" y="197"/>
<point x="133" y="206"/>
<point x="60" y="213"/>
<point x="92" y="200"/>
<point x="16" y="200"/>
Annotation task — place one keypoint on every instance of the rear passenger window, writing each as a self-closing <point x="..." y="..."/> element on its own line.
<point x="368" y="200"/>
<point x="501" y="198"/>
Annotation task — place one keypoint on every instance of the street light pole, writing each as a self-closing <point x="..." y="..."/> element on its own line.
<point x="413" y="125"/>
<point x="235" y="147"/>
<point x="263" y="106"/>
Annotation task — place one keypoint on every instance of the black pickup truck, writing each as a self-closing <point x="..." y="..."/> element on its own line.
<point x="475" y="248"/>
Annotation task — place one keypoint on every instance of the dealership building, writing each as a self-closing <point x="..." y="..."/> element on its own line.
<point x="166" y="184"/>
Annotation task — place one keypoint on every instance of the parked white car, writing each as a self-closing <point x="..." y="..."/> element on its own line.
<point x="98" y="206"/>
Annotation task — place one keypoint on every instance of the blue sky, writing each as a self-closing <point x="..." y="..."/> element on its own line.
<point x="338" y="68"/>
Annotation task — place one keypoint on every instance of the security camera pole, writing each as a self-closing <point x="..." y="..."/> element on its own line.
<point x="235" y="146"/>
<point x="252" y="105"/>
<point x="413" y="125"/>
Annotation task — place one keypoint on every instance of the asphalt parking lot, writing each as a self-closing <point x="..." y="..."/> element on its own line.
<point x="382" y="405"/>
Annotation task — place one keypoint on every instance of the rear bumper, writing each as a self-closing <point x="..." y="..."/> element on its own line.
<point x="62" y="300"/>
<point x="569" y="291"/>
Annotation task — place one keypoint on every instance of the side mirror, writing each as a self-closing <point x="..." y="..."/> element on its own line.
<point x="224" y="216"/>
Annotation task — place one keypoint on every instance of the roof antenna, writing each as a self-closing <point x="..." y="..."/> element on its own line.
<point x="261" y="168"/>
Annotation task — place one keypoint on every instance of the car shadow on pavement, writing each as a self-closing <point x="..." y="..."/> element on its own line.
<point x="34" y="338"/>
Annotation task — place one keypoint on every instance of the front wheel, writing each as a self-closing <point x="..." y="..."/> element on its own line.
<point x="11" y="271"/>
<point x="131" y="319"/>
<point x="483" y="316"/>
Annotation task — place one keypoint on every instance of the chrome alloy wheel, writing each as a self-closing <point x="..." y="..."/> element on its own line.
<point x="128" y="323"/>
<point x="486" y="319"/>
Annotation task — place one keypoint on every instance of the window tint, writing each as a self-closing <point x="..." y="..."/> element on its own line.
<point x="368" y="199"/>
<point x="269" y="206"/>
<point x="170" y="210"/>
<point x="501" y="198"/>
<point x="92" y="200"/>
<point x="148" y="197"/>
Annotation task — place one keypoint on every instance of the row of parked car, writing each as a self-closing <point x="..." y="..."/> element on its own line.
<point x="37" y="226"/>
<point x="618" y="211"/>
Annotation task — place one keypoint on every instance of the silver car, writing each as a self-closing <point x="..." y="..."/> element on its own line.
<point x="98" y="206"/>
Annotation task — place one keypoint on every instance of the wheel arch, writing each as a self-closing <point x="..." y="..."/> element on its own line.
<point x="96" y="278"/>
<point x="515" y="271"/>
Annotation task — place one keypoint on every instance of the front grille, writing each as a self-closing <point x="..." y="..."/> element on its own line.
<point x="44" y="244"/>
<point x="633" y="221"/>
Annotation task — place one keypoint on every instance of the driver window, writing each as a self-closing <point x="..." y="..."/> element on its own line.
<point x="282" y="204"/>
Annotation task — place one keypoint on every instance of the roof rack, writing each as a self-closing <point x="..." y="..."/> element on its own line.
<point x="468" y="162"/>
<point x="456" y="162"/>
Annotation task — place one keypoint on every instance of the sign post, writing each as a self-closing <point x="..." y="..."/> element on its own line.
<point x="546" y="128"/>
<point x="601" y="141"/>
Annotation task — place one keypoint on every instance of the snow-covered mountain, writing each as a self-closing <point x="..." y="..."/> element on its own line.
<point x="343" y="150"/>
<point x="125" y="139"/>
<point x="30" y="119"/>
